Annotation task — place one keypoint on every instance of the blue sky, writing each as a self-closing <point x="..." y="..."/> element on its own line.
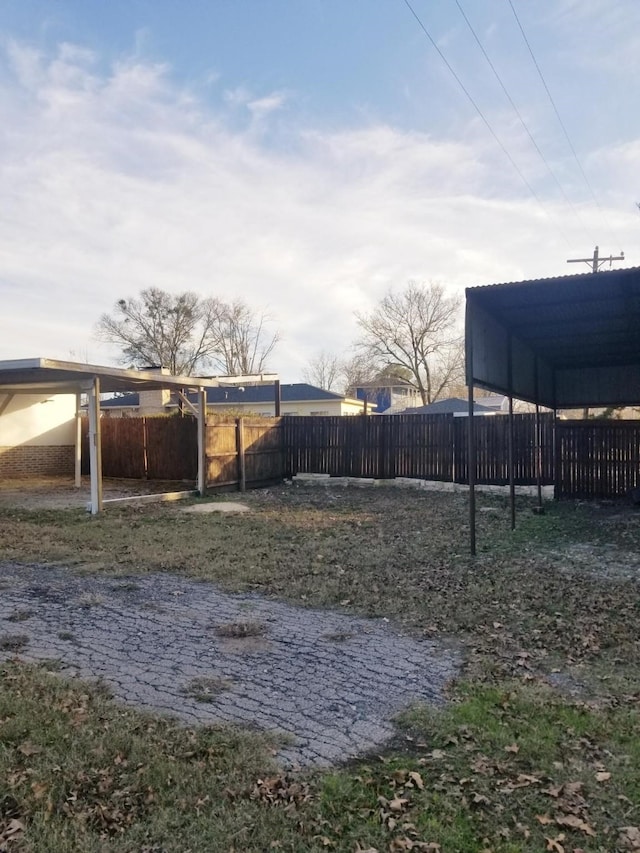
<point x="305" y="155"/>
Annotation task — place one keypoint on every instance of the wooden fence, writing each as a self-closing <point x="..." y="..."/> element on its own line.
<point x="599" y="459"/>
<point x="239" y="452"/>
<point x="428" y="447"/>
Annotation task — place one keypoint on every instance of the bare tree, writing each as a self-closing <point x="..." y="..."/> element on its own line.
<point x="160" y="328"/>
<point x="187" y="332"/>
<point x="416" y="329"/>
<point x="239" y="339"/>
<point x="323" y="370"/>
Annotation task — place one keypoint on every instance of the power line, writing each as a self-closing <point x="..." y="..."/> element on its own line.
<point x="559" y="117"/>
<point x="482" y="116"/>
<point x="519" y="115"/>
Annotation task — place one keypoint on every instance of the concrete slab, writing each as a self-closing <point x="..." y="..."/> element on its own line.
<point x="226" y="506"/>
<point x="330" y="681"/>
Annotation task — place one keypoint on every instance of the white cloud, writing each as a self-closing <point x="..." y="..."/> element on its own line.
<point x="115" y="182"/>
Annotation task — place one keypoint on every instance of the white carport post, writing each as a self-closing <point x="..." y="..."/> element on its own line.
<point x="78" y="448"/>
<point x="95" y="446"/>
<point x="202" y="442"/>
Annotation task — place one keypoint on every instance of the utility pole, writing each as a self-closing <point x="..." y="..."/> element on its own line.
<point x="596" y="261"/>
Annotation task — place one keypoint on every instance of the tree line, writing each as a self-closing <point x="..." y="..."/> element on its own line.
<point x="412" y="336"/>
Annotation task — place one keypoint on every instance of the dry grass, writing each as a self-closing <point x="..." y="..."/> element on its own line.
<point x="538" y="750"/>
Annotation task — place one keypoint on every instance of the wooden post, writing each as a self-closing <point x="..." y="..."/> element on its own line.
<point x="95" y="447"/>
<point x="202" y="442"/>
<point x="78" y="447"/>
<point x="277" y="401"/>
<point x="145" y="448"/>
<point x="242" y="470"/>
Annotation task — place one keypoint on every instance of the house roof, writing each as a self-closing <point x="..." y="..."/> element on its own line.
<point x="450" y="406"/>
<point x="565" y="342"/>
<point x="297" y="392"/>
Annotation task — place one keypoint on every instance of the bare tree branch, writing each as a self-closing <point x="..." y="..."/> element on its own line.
<point x="416" y="329"/>
<point x="186" y="332"/>
<point x="323" y="370"/>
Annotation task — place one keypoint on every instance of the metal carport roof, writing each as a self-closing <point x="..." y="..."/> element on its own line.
<point x="563" y="342"/>
<point x="31" y="375"/>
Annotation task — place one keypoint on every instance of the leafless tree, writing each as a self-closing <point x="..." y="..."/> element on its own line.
<point x="417" y="330"/>
<point x="239" y="339"/>
<point x="186" y="332"/>
<point x="324" y="371"/>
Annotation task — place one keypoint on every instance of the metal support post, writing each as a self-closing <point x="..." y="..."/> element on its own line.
<point x="95" y="447"/>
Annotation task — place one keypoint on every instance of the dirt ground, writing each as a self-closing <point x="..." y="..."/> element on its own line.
<point x="61" y="492"/>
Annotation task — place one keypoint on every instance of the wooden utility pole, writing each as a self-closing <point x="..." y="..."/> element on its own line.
<point x="596" y="261"/>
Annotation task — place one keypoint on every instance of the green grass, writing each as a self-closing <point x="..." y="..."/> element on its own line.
<point x="500" y="769"/>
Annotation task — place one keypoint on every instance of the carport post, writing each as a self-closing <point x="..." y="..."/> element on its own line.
<point x="512" y="479"/>
<point x="471" y="461"/>
<point x="202" y="441"/>
<point x="510" y="441"/>
<point x="95" y="447"/>
<point x="78" y="448"/>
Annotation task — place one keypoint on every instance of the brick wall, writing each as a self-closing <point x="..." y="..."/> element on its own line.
<point x="35" y="461"/>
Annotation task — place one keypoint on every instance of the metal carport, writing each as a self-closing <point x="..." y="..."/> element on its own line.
<point x="43" y="375"/>
<point x="564" y="342"/>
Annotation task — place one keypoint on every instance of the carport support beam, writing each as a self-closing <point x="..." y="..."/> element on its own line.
<point x="510" y="441"/>
<point x="95" y="447"/>
<point x="512" y="479"/>
<point x="78" y="448"/>
<point x="471" y="468"/>
<point x="202" y="441"/>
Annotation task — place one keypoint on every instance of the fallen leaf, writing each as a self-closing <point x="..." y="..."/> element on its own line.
<point x="544" y="819"/>
<point x="27" y="748"/>
<point x="416" y="778"/>
<point x="629" y="838"/>
<point x="574" y="822"/>
<point x="398" y="804"/>
<point x="602" y="776"/>
<point x="554" y="844"/>
<point x="514" y="748"/>
<point x="13" y="828"/>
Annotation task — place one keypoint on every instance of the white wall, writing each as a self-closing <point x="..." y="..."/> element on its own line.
<point x="38" y="420"/>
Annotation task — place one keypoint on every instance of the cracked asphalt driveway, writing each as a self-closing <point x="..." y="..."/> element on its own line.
<point x="330" y="682"/>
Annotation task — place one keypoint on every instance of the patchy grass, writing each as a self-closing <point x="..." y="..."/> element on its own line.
<point x="20" y="616"/>
<point x="538" y="749"/>
<point x="207" y="688"/>
<point x="13" y="642"/>
<point x="240" y="630"/>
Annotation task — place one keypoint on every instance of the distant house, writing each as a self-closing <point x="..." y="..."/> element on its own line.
<point x="388" y="396"/>
<point x="455" y="406"/>
<point x="298" y="398"/>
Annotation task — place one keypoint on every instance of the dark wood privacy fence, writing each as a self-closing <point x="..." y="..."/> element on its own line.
<point x="599" y="459"/>
<point x="156" y="448"/>
<point x="428" y="447"/>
